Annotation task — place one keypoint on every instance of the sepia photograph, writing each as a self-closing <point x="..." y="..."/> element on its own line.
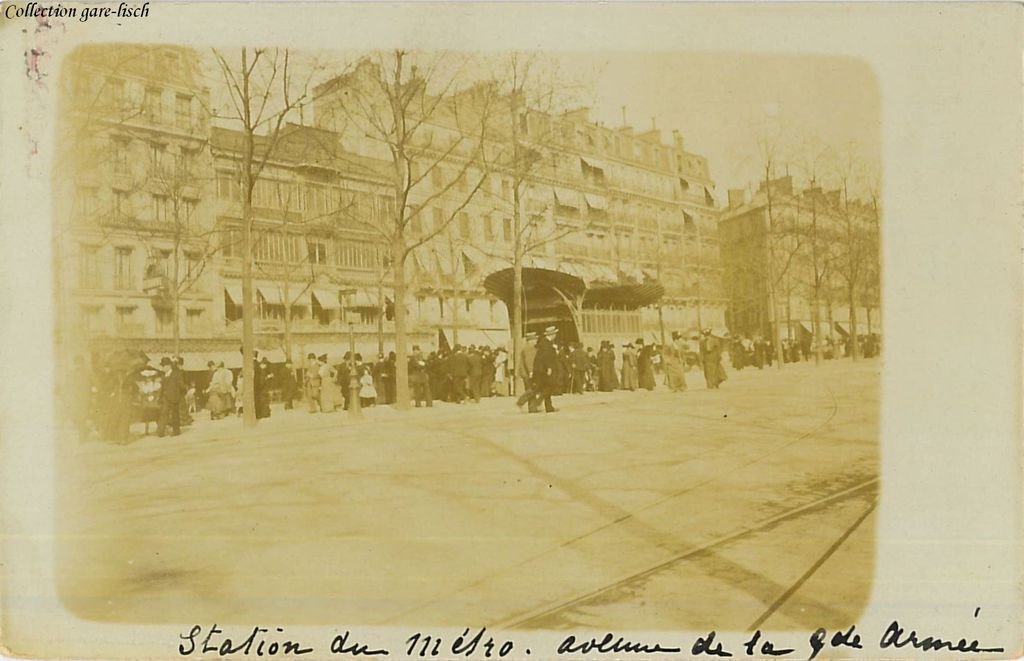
<point x="373" y="268"/>
<point x="532" y="339"/>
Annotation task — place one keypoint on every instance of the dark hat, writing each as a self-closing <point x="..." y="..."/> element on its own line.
<point x="322" y="357"/>
<point x="165" y="361"/>
<point x="311" y="355"/>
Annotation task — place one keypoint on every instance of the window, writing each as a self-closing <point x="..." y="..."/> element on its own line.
<point x="437" y="177"/>
<point x="125" y="316"/>
<point x="317" y="252"/>
<point x="115" y="94"/>
<point x="120" y="147"/>
<point x="163" y="263"/>
<point x="183" y="111"/>
<point x="227" y="187"/>
<point x="464" y="224"/>
<point x="189" y="212"/>
<point x="231" y="243"/>
<point x="193" y="265"/>
<point x="171" y="62"/>
<point x="122" y="206"/>
<point x="488" y="229"/>
<point x="355" y="254"/>
<point x="89" y="267"/>
<point x="162" y="212"/>
<point x="469" y="305"/>
<point x="157" y="164"/>
<point x="507" y="229"/>
<point x="193" y="321"/>
<point x="506" y="189"/>
<point x="164" y="320"/>
<point x="186" y="162"/>
<point x="90" y="317"/>
<point x="85" y="204"/>
<point x="279" y="248"/>
<point x="151" y="104"/>
<point x="440" y="305"/>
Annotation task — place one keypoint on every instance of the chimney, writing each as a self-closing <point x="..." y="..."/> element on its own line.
<point x="624" y="122"/>
<point x="677" y="139"/>
<point x="737" y="197"/>
<point x="654" y="124"/>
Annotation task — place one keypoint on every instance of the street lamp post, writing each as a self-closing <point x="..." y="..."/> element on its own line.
<point x="355" y="411"/>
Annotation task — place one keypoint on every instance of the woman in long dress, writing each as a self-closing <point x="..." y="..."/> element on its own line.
<point x="675" y="376"/>
<point x="328" y="388"/>
<point x="629" y="381"/>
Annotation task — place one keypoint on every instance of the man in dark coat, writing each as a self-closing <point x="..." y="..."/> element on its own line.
<point x="172" y="391"/>
<point x="711" y="354"/>
<point x="419" y="379"/>
<point x="580" y="365"/>
<point x="475" y="373"/>
<point x="288" y="385"/>
<point x="606" y="381"/>
<point x="644" y="365"/>
<point x="435" y="376"/>
<point x="261" y="388"/>
<point x="545" y="368"/>
<point x="459" y="366"/>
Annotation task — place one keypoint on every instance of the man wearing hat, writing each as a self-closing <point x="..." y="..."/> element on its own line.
<point x="418" y="378"/>
<point x="172" y="391"/>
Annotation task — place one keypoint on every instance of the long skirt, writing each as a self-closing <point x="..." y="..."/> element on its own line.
<point x="328" y="396"/>
<point x="676" y="377"/>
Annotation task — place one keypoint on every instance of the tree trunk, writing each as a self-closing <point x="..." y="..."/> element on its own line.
<point x="381" y="303"/>
<point x="819" y="350"/>
<point x="287" y="321"/>
<point x="854" y="349"/>
<point x="248" y="339"/>
<point x="176" y="298"/>
<point x="401" y="361"/>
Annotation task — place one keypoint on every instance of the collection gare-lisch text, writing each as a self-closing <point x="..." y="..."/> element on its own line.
<point x="481" y="644"/>
<point x="35" y="10"/>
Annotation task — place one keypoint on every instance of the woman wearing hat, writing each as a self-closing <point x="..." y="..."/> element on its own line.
<point x="711" y="357"/>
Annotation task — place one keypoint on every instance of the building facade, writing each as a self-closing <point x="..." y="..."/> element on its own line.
<point x="805" y="253"/>
<point x="148" y="246"/>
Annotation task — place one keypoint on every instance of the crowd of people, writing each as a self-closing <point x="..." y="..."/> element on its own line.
<point x="126" y="388"/>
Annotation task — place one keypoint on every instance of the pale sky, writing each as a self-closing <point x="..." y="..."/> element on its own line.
<point x="724" y="104"/>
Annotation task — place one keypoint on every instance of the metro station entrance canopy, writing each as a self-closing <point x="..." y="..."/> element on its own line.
<point x="609" y="305"/>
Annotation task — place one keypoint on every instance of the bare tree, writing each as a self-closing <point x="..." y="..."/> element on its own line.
<point x="264" y="87"/>
<point x="782" y="243"/>
<point x="530" y="86"/>
<point x="433" y="129"/>
<point x="855" y="250"/>
<point x="818" y="239"/>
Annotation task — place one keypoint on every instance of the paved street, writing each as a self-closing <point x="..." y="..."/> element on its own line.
<point x="629" y="510"/>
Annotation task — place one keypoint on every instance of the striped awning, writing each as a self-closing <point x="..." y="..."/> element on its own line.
<point x="567" y="197"/>
<point x="327" y="299"/>
<point x="234" y="292"/>
<point x="594" y="201"/>
<point x="271" y="293"/>
<point x="362" y="299"/>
